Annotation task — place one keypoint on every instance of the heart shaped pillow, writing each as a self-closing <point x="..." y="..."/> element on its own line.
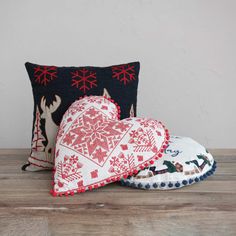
<point x="94" y="147"/>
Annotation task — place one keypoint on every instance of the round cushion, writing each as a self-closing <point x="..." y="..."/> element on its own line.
<point x="184" y="162"/>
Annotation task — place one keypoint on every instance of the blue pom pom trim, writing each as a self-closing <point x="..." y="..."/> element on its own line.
<point x="171" y="184"/>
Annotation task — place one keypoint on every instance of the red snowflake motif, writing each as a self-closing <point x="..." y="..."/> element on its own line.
<point x="44" y="74"/>
<point x="94" y="100"/>
<point x="150" y="122"/>
<point x="73" y="159"/>
<point x="100" y="155"/>
<point x="73" y="109"/>
<point x="68" y="139"/>
<point x="122" y="126"/>
<point x="84" y="79"/>
<point x="93" y="135"/>
<point x="123" y="73"/>
<point x="92" y="112"/>
<point x="134" y="134"/>
<point x="144" y="123"/>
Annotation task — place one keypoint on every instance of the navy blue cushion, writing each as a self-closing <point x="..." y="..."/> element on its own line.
<point x="61" y="86"/>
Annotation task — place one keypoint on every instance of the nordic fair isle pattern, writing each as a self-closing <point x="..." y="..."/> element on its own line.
<point x="184" y="162"/>
<point x="95" y="148"/>
<point x="56" y="88"/>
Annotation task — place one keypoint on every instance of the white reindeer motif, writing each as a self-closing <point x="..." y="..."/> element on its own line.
<point x="50" y="127"/>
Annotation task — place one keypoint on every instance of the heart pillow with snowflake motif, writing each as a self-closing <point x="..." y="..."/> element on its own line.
<point x="94" y="147"/>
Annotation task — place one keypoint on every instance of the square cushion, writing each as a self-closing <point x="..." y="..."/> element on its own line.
<point x="56" y="88"/>
<point x="94" y="147"/>
<point x="184" y="162"/>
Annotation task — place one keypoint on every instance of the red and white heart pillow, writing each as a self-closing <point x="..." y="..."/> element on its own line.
<point x="94" y="147"/>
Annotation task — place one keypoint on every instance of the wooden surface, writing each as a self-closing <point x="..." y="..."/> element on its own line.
<point x="27" y="208"/>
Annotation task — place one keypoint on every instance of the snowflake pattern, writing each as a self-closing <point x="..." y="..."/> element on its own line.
<point x="149" y="123"/>
<point x="68" y="139"/>
<point x="44" y="74"/>
<point x="123" y="73"/>
<point x="84" y="79"/>
<point x="38" y="138"/>
<point x="94" y="135"/>
<point x="73" y="109"/>
<point x="100" y="155"/>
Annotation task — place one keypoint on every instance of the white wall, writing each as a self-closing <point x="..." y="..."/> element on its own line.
<point x="187" y="50"/>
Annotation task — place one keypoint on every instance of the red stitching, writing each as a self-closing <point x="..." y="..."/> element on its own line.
<point x="41" y="160"/>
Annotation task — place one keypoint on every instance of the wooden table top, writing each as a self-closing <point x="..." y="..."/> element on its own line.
<point x="206" y="208"/>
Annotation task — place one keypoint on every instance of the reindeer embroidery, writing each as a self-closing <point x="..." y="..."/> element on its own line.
<point x="176" y="167"/>
<point x="50" y="127"/>
<point x="195" y="162"/>
<point x="171" y="168"/>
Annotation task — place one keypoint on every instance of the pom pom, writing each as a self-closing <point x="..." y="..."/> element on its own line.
<point x="163" y="185"/>
<point x="147" y="186"/>
<point x="151" y="162"/>
<point x="177" y="185"/>
<point x="125" y="176"/>
<point x="155" y="185"/>
<point x="140" y="185"/>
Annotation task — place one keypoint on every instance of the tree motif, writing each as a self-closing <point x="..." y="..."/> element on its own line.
<point x="84" y="79"/>
<point x="68" y="170"/>
<point x="121" y="163"/>
<point x="44" y="74"/>
<point x="38" y="138"/>
<point x="143" y="140"/>
<point x="123" y="73"/>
